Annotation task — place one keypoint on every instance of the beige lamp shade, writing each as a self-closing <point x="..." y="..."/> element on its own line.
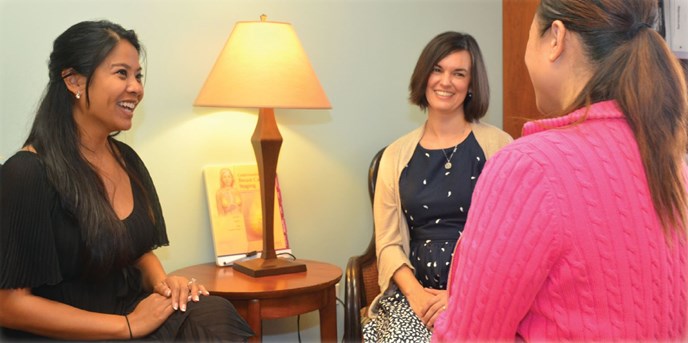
<point x="263" y="65"/>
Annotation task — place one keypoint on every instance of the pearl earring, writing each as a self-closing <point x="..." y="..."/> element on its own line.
<point x="78" y="95"/>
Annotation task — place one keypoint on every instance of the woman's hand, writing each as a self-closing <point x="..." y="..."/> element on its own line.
<point x="180" y="290"/>
<point x="149" y="314"/>
<point x="436" y="306"/>
<point x="420" y="300"/>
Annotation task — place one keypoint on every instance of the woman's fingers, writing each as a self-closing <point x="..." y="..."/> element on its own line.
<point x="183" y="290"/>
<point x="184" y="293"/>
<point x="202" y="290"/>
<point x="435" y="315"/>
<point x="436" y="306"/>
<point x="163" y="289"/>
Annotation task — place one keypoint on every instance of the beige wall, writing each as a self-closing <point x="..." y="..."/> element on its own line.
<point x="363" y="52"/>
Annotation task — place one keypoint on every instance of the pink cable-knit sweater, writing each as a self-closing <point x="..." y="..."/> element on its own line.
<point x="562" y="242"/>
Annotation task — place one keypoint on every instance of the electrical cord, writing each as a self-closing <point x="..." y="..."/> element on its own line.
<point x="298" y="327"/>
<point x="298" y="321"/>
<point x="286" y="253"/>
<point x="298" y="317"/>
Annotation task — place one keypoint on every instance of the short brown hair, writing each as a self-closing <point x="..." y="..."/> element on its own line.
<point x="440" y="47"/>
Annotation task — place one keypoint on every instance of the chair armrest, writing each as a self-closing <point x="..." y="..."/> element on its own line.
<point x="353" y="300"/>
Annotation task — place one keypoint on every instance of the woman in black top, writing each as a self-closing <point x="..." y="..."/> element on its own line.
<point x="80" y="214"/>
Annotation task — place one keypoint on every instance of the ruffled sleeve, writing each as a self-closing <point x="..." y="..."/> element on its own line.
<point x="28" y="254"/>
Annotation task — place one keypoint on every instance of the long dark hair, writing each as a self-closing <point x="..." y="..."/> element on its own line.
<point x="440" y="47"/>
<point x="634" y="66"/>
<point x="55" y="137"/>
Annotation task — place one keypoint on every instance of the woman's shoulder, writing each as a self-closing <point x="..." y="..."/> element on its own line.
<point x="400" y="149"/>
<point x="543" y="148"/>
<point x="24" y="172"/>
<point x="23" y="162"/>
<point x="490" y="138"/>
<point x="410" y="138"/>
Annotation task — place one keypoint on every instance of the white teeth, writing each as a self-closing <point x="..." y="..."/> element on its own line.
<point x="441" y="93"/>
<point x="129" y="105"/>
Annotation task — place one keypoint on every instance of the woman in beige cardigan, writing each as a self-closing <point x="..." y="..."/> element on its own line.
<point x="424" y="188"/>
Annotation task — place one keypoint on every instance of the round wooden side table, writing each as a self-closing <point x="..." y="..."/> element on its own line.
<point x="276" y="296"/>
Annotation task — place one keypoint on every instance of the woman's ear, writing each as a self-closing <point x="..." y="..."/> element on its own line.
<point x="74" y="81"/>
<point x="557" y="35"/>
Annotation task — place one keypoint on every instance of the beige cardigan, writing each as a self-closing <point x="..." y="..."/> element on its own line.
<point x="391" y="230"/>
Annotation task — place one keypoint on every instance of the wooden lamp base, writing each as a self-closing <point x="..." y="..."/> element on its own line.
<point x="258" y="267"/>
<point x="266" y="142"/>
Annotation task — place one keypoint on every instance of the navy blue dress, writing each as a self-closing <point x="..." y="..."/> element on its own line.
<point x="435" y="201"/>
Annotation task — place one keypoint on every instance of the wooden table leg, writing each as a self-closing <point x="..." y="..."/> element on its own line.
<point x="254" y="321"/>
<point x="328" y="317"/>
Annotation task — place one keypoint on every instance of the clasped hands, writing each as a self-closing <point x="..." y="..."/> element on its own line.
<point x="428" y="305"/>
<point x="180" y="290"/>
<point x="169" y="295"/>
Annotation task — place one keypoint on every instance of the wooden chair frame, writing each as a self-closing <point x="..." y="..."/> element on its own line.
<point x="361" y="284"/>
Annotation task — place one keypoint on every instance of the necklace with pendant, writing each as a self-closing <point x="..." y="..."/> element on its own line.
<point x="448" y="165"/>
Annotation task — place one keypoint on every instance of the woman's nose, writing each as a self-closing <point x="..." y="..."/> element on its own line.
<point x="135" y="86"/>
<point x="445" y="79"/>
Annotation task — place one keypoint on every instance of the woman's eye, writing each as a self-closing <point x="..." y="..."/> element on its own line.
<point x="122" y="72"/>
<point x="139" y="77"/>
<point x="436" y="69"/>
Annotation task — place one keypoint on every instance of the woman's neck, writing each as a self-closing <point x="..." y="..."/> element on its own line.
<point x="444" y="131"/>
<point x="98" y="152"/>
<point x="94" y="145"/>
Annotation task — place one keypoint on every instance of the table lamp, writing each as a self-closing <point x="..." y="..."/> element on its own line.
<point x="264" y="66"/>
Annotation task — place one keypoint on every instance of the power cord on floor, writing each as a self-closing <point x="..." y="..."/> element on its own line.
<point x="298" y="327"/>
<point x="298" y="317"/>
<point x="298" y="321"/>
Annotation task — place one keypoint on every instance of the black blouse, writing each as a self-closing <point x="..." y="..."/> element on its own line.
<point x="41" y="246"/>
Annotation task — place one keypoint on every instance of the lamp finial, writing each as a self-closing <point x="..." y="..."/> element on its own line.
<point x="263" y="18"/>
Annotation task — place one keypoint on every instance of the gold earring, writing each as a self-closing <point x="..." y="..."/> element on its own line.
<point x="78" y="95"/>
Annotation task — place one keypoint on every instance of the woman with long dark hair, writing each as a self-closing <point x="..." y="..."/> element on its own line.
<point x="578" y="228"/>
<point x="80" y="214"/>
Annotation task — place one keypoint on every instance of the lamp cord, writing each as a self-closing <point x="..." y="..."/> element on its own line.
<point x="286" y="253"/>
<point x="298" y="317"/>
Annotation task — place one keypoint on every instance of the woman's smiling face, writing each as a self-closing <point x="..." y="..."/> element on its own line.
<point x="449" y="83"/>
<point x="115" y="90"/>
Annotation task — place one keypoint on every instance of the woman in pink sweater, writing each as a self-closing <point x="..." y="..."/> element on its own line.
<point x="577" y="230"/>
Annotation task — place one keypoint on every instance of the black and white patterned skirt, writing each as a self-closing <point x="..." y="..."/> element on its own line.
<point x="395" y="322"/>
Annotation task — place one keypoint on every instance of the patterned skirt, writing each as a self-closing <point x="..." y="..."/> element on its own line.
<point x="395" y="322"/>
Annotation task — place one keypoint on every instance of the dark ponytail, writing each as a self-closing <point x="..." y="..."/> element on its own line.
<point x="635" y="67"/>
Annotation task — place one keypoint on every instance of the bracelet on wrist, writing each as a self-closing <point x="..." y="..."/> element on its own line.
<point x="131" y="335"/>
